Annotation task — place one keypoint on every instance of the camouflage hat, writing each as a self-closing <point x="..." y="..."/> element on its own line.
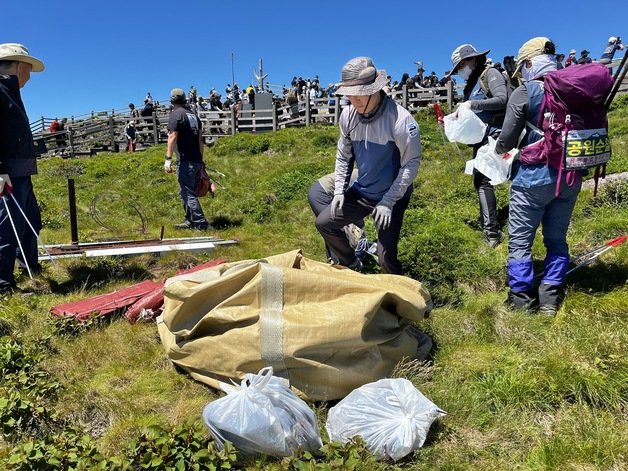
<point x="177" y="95"/>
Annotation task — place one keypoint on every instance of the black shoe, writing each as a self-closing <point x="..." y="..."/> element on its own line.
<point x="424" y="343"/>
<point x="550" y="298"/>
<point x="184" y="225"/>
<point x="205" y="226"/>
<point x="494" y="239"/>
<point x="525" y="300"/>
<point x="7" y="290"/>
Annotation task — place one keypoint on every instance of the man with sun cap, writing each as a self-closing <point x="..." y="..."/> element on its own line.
<point x="185" y="138"/>
<point x="18" y="162"/>
<point x="382" y="139"/>
<point x="532" y="193"/>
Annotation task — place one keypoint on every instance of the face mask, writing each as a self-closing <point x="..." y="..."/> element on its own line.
<point x="465" y="72"/>
<point x="541" y="65"/>
<point x="527" y="74"/>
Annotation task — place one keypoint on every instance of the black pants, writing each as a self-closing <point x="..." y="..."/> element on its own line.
<point x="355" y="209"/>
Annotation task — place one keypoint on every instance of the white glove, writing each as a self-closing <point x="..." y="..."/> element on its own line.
<point x="336" y="204"/>
<point x="5" y="180"/>
<point x="382" y="215"/>
<point x="168" y="165"/>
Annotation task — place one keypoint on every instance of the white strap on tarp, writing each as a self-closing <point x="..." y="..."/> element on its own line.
<point x="271" y="319"/>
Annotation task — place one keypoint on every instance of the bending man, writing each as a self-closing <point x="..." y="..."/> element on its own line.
<point x="382" y="139"/>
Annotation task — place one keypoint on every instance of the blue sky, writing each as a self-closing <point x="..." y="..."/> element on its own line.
<point x="101" y="55"/>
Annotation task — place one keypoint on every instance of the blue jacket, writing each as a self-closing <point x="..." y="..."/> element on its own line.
<point x="17" y="151"/>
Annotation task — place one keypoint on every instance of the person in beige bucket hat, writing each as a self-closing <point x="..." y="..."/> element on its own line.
<point x="381" y="138"/>
<point x="18" y="162"/>
<point x="18" y="52"/>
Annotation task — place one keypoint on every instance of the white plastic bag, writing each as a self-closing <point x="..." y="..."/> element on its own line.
<point x="495" y="166"/>
<point x="263" y="416"/>
<point x="390" y="415"/>
<point x="464" y="126"/>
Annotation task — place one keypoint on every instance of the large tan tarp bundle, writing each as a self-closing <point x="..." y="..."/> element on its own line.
<point x="326" y="330"/>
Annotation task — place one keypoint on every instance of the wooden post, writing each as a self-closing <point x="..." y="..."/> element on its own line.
<point x="275" y="118"/>
<point x="307" y="108"/>
<point x="404" y="99"/>
<point x="336" y="109"/>
<point x="43" y="124"/>
<point x="155" y="130"/>
<point x="450" y="94"/>
<point x="233" y="121"/>
<point x="71" y="140"/>
<point x="112" y="134"/>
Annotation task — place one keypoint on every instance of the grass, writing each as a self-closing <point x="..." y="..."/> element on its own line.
<point x="521" y="391"/>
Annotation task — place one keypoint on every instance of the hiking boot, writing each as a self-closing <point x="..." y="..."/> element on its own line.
<point x="547" y="310"/>
<point x="525" y="300"/>
<point x="356" y="265"/>
<point x="493" y="240"/>
<point x="550" y="298"/>
<point x="184" y="225"/>
<point x="7" y="290"/>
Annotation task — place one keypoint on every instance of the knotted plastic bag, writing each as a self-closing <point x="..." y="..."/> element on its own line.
<point x="495" y="166"/>
<point x="262" y="416"/>
<point x="390" y="415"/>
<point x="464" y="126"/>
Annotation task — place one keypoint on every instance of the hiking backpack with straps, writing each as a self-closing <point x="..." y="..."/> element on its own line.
<point x="573" y="122"/>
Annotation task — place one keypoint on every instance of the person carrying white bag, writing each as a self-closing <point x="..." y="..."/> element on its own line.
<point x="494" y="166"/>
<point x="486" y="94"/>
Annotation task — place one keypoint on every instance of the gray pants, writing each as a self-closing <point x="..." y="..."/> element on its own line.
<point x="354" y="210"/>
<point x="186" y="175"/>
<point x="530" y="207"/>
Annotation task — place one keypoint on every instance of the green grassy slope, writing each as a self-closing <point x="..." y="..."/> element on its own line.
<point x="521" y="391"/>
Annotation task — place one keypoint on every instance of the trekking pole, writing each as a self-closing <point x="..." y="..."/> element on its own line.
<point x="19" y="243"/>
<point x="617" y="81"/>
<point x="32" y="228"/>
<point x="587" y="258"/>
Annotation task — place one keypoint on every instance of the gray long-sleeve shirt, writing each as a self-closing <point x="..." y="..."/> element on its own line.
<point x="514" y="122"/>
<point x="498" y="90"/>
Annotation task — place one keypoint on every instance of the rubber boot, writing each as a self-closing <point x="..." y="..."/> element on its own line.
<point x="488" y="216"/>
<point x="550" y="298"/>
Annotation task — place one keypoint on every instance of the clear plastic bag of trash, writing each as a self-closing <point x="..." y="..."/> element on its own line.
<point x="390" y="415"/>
<point x="263" y="416"/>
<point x="495" y="166"/>
<point x="464" y="126"/>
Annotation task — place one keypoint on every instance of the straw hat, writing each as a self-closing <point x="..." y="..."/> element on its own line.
<point x="361" y="78"/>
